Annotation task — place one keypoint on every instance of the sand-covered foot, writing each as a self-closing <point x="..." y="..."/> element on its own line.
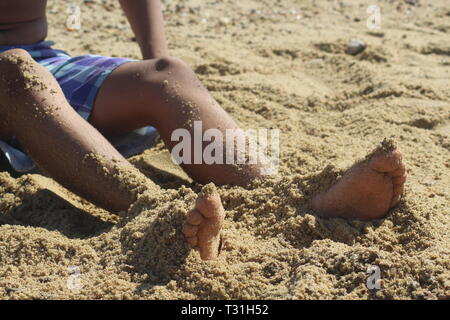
<point x="204" y="223"/>
<point x="368" y="189"/>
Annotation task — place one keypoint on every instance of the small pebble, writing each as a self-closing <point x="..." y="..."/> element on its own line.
<point x="412" y="2"/>
<point x="355" y="46"/>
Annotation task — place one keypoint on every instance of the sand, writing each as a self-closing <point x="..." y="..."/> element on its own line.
<point x="273" y="64"/>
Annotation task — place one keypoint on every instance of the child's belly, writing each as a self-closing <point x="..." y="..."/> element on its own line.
<point x="22" y="21"/>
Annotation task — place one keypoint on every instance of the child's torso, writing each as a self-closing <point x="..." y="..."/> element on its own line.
<point x="22" y="21"/>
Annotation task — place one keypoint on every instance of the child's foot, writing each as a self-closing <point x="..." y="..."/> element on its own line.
<point x="368" y="190"/>
<point x="204" y="223"/>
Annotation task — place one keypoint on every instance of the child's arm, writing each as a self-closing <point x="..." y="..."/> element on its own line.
<point x="146" y="20"/>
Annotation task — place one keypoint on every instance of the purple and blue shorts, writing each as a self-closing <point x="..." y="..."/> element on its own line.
<point x="80" y="78"/>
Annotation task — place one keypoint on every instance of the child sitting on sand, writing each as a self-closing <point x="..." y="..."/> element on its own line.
<point x="61" y="108"/>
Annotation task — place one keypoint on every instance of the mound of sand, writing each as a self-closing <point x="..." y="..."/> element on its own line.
<point x="278" y="66"/>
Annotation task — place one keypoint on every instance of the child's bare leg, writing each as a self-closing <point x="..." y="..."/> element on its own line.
<point x="166" y="94"/>
<point x="57" y="138"/>
<point x="34" y="109"/>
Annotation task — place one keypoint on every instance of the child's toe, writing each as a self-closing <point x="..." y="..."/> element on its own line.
<point x="195" y="218"/>
<point x="192" y="240"/>
<point x="190" y="230"/>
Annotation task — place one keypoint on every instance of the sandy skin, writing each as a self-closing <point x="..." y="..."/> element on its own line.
<point x="204" y="223"/>
<point x="368" y="190"/>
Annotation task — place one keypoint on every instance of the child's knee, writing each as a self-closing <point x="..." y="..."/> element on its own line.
<point x="171" y="76"/>
<point x="15" y="52"/>
<point x="16" y="75"/>
<point x="171" y="64"/>
<point x="169" y="69"/>
<point x="14" y="59"/>
<point x="17" y="65"/>
<point x="18" y="72"/>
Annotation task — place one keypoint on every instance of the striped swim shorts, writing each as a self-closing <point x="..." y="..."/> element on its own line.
<point x="80" y="78"/>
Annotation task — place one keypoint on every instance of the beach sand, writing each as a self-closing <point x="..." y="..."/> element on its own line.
<point x="271" y="64"/>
